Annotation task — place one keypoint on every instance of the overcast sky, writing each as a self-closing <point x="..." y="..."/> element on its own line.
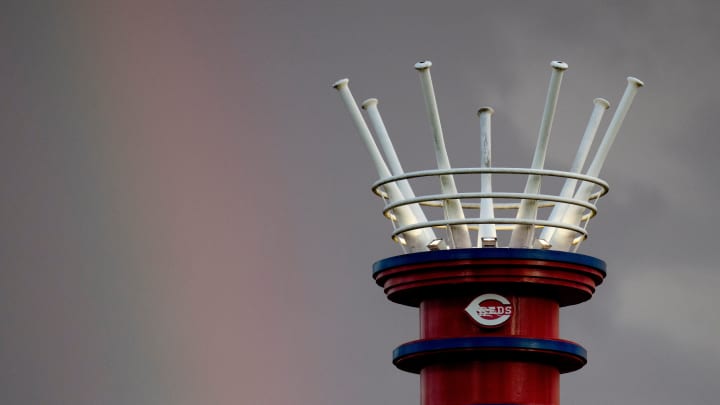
<point x="185" y="213"/>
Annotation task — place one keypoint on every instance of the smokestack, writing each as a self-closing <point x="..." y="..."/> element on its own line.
<point x="489" y="314"/>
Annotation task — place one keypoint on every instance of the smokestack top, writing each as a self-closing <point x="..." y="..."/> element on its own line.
<point x="450" y="219"/>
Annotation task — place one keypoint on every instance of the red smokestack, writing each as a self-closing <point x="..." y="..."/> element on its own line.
<point x="489" y="321"/>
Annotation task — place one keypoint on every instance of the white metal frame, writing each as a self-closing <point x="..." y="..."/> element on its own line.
<point x="564" y="228"/>
<point x="472" y="200"/>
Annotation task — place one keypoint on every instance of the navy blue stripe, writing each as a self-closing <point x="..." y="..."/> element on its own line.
<point x="488" y="253"/>
<point x="422" y="346"/>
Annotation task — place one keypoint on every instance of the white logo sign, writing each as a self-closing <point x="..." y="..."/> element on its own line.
<point x="490" y="309"/>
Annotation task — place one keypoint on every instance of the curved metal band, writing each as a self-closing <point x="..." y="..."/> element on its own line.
<point x="465" y="196"/>
<point x="442" y="223"/>
<point x="499" y="170"/>
<point x="474" y="200"/>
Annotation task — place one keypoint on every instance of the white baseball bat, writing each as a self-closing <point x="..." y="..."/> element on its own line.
<point x="453" y="208"/>
<point x="487" y="234"/>
<point x="417" y="240"/>
<point x="371" y="106"/>
<point x="563" y="238"/>
<point x="522" y="235"/>
<point x="568" y="189"/>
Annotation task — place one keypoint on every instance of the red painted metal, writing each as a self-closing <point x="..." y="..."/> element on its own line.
<point x="567" y="283"/>
<point x="536" y="289"/>
<point x="490" y="382"/>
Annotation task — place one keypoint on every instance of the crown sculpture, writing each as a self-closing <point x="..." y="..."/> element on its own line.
<point x="489" y="269"/>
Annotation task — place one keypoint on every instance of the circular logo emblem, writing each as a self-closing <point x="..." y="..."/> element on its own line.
<point x="490" y="309"/>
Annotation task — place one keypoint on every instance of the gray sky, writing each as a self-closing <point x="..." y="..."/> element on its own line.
<point x="185" y="205"/>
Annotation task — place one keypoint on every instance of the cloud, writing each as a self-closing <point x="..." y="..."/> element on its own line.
<point x="679" y="305"/>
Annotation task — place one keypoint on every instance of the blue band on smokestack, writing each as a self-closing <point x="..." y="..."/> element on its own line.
<point x="566" y="356"/>
<point x="497" y="253"/>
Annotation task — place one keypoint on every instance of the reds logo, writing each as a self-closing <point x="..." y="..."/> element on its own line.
<point x="490" y="309"/>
